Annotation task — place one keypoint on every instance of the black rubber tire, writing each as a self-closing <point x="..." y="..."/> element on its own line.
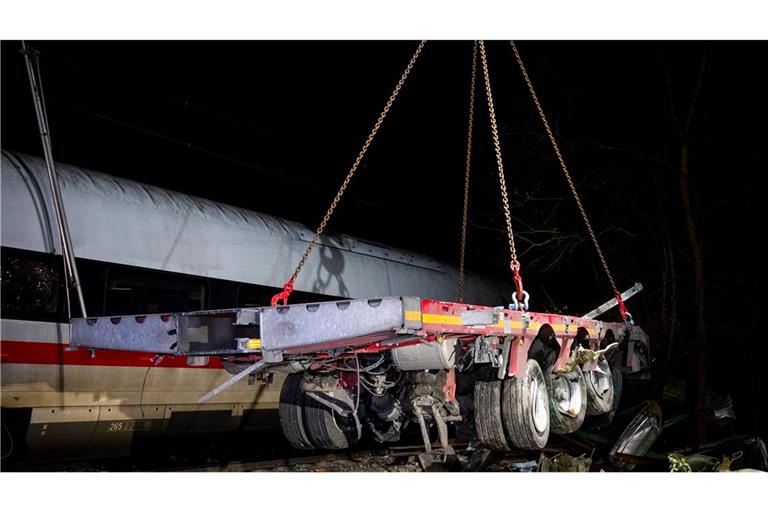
<point x="562" y="423"/>
<point x="292" y="413"/>
<point x="600" y="403"/>
<point x="327" y="429"/>
<point x="518" y="409"/>
<point x="488" y="420"/>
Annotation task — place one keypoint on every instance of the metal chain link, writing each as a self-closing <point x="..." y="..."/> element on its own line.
<point x="565" y="170"/>
<point x="319" y="231"/>
<point x="460" y="292"/>
<point x="514" y="263"/>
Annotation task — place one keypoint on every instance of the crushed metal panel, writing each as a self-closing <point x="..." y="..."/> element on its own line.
<point x="141" y="333"/>
<point x="194" y="333"/>
<point x="301" y="326"/>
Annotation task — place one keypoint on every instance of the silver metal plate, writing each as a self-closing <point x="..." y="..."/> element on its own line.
<point x="303" y="326"/>
<point x="142" y="333"/>
<point x="194" y="333"/>
<point x="478" y="317"/>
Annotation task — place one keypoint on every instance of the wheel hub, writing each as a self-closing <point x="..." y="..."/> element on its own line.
<point x="567" y="395"/>
<point x="540" y="413"/>
<point x="600" y="381"/>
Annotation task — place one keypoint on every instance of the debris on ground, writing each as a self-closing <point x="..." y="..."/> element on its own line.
<point x="678" y="463"/>
<point x="564" y="463"/>
<point x="372" y="463"/>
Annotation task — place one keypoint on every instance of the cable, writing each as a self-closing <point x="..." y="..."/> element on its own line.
<point x="155" y="361"/>
<point x="10" y="438"/>
<point x="357" y="398"/>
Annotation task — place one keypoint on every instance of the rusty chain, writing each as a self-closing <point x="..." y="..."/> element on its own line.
<point x="566" y="173"/>
<point x="514" y="263"/>
<point x="462" y="254"/>
<point x="288" y="287"/>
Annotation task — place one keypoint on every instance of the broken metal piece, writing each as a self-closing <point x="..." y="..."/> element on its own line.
<point x="583" y="356"/>
<point x="602" y="308"/>
<point x="232" y="380"/>
<point x="638" y="437"/>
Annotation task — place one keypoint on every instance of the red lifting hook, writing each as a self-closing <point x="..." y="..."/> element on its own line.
<point x="518" y="280"/>
<point x="622" y="308"/>
<point x="283" y="295"/>
<point x="520" y="297"/>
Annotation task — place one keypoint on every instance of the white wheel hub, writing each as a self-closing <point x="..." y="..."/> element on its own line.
<point x="566" y="393"/>
<point x="539" y="403"/>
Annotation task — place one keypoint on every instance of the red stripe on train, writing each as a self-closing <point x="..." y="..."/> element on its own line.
<point x="25" y="352"/>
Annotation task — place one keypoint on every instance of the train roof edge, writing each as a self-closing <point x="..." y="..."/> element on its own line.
<point x="127" y="222"/>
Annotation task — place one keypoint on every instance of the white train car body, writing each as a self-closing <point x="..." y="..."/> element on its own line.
<point x="141" y="248"/>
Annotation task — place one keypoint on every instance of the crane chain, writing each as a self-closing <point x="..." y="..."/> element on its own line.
<point x="521" y="296"/>
<point x="462" y="254"/>
<point x="561" y="160"/>
<point x="288" y="286"/>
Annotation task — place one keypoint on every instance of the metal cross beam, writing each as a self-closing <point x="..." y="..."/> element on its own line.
<point x="602" y="308"/>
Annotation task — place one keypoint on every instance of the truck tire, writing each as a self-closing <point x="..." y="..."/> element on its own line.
<point x="524" y="408"/>
<point x="291" y="412"/>
<point x="567" y="400"/>
<point x="488" y="419"/>
<point x="328" y="429"/>
<point x="600" y="388"/>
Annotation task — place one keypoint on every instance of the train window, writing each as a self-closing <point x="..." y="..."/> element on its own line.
<point x="250" y="296"/>
<point x="133" y="291"/>
<point x="255" y="296"/>
<point x="32" y="285"/>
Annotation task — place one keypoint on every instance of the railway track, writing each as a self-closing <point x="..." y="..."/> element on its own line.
<point x="395" y="458"/>
<point x="280" y="457"/>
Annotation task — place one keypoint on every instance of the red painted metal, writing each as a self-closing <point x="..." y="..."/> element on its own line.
<point x="518" y="355"/>
<point x="622" y="307"/>
<point x="443" y="318"/>
<point x="348" y="380"/>
<point x="450" y="385"/>
<point x="518" y="280"/>
<point x="26" y="352"/>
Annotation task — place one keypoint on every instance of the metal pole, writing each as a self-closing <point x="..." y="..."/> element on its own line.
<point x="232" y="380"/>
<point x="35" y="83"/>
<point x="599" y="310"/>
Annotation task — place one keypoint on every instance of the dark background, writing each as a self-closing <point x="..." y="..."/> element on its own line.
<point x="274" y="127"/>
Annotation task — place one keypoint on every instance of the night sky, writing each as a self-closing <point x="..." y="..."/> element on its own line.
<point x="274" y="127"/>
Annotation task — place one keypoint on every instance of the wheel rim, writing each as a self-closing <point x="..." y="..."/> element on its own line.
<point x="566" y="393"/>
<point x="540" y="413"/>
<point x="600" y="381"/>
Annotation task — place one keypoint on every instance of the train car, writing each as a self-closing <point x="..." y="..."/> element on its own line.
<point x="145" y="249"/>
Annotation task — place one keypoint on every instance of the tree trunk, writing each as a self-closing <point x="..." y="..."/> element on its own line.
<point x="697" y="376"/>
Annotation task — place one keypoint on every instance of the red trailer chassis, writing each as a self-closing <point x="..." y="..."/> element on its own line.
<point x="398" y="355"/>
